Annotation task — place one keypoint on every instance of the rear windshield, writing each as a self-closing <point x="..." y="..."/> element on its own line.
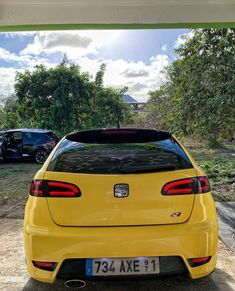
<point x="119" y="158"/>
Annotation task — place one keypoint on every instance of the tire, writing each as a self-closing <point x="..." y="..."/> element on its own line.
<point x="40" y="156"/>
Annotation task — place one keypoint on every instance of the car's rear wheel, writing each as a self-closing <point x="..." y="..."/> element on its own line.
<point x="40" y="156"/>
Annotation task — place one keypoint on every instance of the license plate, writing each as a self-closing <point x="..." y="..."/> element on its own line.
<point x="122" y="266"/>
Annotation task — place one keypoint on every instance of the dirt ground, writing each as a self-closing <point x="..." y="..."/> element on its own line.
<point x="13" y="276"/>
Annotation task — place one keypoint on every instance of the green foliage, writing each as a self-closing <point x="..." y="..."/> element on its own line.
<point x="219" y="165"/>
<point x="158" y="107"/>
<point x="100" y="76"/>
<point x="199" y="97"/>
<point x="63" y="99"/>
<point x="222" y="177"/>
<point x="9" y="117"/>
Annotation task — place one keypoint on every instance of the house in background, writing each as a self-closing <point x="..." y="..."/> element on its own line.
<point x="135" y="105"/>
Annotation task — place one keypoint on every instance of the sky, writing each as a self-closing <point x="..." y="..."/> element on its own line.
<point x="134" y="58"/>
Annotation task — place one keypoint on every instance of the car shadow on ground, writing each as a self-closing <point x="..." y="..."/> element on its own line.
<point x="219" y="280"/>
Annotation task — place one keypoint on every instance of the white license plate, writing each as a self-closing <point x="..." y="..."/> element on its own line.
<point x="122" y="266"/>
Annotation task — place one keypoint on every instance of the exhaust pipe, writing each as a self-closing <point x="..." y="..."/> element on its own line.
<point x="75" y="284"/>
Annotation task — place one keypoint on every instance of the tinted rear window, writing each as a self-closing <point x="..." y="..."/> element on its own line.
<point x="119" y="158"/>
<point x="38" y="138"/>
<point x="52" y="136"/>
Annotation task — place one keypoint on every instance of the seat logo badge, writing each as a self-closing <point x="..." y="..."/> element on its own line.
<point x="121" y="190"/>
<point x="175" y="214"/>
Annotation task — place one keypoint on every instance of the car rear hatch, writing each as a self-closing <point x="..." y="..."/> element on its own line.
<point x="120" y="174"/>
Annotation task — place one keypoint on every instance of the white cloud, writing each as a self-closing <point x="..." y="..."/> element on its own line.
<point x="130" y="73"/>
<point x="20" y="60"/>
<point x="74" y="43"/>
<point x="146" y="77"/>
<point x="139" y="86"/>
<point x="7" y="77"/>
<point x="139" y="76"/>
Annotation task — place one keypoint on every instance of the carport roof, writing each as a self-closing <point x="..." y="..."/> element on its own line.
<point x="74" y="14"/>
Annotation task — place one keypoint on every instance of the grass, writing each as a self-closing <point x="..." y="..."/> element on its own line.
<point x="15" y="179"/>
<point x="219" y="165"/>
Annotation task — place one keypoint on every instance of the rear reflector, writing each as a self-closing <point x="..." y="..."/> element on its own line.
<point x="193" y="185"/>
<point x="44" y="188"/>
<point x="198" y="261"/>
<point x="48" y="266"/>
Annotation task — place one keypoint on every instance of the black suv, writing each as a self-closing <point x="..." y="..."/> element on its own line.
<point x="21" y="144"/>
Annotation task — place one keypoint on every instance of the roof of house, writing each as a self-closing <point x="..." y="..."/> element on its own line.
<point x="130" y="100"/>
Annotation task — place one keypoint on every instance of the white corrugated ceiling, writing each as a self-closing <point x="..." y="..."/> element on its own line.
<point x="38" y="12"/>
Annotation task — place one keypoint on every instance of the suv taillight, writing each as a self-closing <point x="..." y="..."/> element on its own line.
<point x="194" y="185"/>
<point x="44" y="188"/>
<point x="52" y="143"/>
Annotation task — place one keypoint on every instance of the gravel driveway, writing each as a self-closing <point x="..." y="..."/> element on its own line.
<point x="13" y="275"/>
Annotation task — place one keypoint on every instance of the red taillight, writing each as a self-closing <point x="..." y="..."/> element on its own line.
<point x="198" y="261"/>
<point x="48" y="266"/>
<point x="36" y="188"/>
<point x="51" y="143"/>
<point x="61" y="189"/>
<point x="44" y="188"/>
<point x="119" y="131"/>
<point x="179" y="187"/>
<point x="203" y="185"/>
<point x="187" y="186"/>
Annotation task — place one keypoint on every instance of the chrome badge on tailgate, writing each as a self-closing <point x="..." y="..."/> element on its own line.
<point x="121" y="190"/>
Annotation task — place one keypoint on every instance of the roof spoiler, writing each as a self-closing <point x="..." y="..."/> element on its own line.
<point x="114" y="135"/>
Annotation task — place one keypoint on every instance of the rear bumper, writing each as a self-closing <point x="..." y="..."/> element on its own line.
<point x="47" y="242"/>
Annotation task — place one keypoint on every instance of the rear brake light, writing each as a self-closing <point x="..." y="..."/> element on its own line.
<point x="48" y="266"/>
<point x="119" y="131"/>
<point x="44" y="188"/>
<point x="203" y="185"/>
<point x="186" y="186"/>
<point x="52" y="143"/>
<point x="198" y="261"/>
<point x="36" y="188"/>
<point x="61" y="189"/>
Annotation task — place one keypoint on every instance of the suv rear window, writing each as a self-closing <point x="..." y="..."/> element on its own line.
<point x="38" y="138"/>
<point x="119" y="157"/>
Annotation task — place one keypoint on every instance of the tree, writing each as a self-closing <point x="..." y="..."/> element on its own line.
<point x="56" y="98"/>
<point x="9" y="115"/>
<point x="100" y="76"/>
<point x="108" y="106"/>
<point x="200" y="91"/>
<point x="64" y="99"/>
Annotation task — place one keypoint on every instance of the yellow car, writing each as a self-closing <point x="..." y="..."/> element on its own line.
<point x="119" y="202"/>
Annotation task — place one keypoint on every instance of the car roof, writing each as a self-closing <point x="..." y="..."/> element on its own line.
<point x="29" y="130"/>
